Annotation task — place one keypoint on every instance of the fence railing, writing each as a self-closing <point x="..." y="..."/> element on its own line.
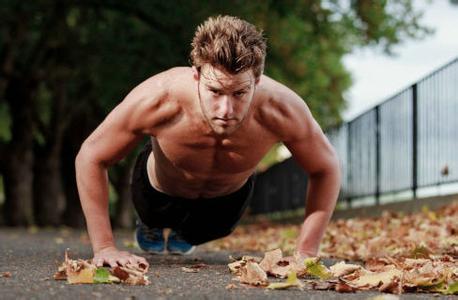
<point x="407" y="142"/>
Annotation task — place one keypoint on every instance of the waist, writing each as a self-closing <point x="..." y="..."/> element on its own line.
<point x="194" y="188"/>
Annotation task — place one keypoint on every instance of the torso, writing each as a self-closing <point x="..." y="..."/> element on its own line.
<point x="190" y="161"/>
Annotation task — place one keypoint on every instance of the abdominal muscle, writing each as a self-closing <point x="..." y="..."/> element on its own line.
<point x="185" y="184"/>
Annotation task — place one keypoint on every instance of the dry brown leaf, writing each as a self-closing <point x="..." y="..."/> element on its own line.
<point x="189" y="270"/>
<point x="420" y="249"/>
<point x="270" y="259"/>
<point x="84" y="272"/>
<point x="367" y="280"/>
<point x="81" y="276"/>
<point x="252" y="274"/>
<point x="5" y="274"/>
<point x="342" y="268"/>
<point x="230" y="286"/>
<point x="342" y="287"/>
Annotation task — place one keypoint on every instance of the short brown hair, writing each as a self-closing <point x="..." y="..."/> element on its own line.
<point x="230" y="43"/>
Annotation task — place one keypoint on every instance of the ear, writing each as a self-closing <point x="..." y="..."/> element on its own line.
<point x="257" y="80"/>
<point x="195" y="73"/>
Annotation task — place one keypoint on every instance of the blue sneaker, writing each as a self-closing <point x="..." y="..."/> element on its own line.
<point x="150" y="240"/>
<point x="177" y="245"/>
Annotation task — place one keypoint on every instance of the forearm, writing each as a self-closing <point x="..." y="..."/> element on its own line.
<point x="92" y="181"/>
<point x="322" y="193"/>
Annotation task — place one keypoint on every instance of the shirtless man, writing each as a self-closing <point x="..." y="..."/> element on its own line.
<point x="209" y="126"/>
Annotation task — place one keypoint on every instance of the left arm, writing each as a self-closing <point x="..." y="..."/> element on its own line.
<point x="312" y="150"/>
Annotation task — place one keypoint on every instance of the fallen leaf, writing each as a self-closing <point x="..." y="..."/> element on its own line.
<point x="342" y="287"/>
<point x="82" y="276"/>
<point x="252" y="274"/>
<point x="84" y="272"/>
<point x="291" y="281"/>
<point x="452" y="289"/>
<point x="230" y="286"/>
<point x="5" y="274"/>
<point x="342" y="268"/>
<point x="270" y="260"/>
<point x="102" y="275"/>
<point x="316" y="268"/>
<point x="236" y="266"/>
<point x="189" y="270"/>
<point x="368" y="279"/>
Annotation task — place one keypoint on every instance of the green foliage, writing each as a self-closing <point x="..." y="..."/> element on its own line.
<point x="80" y="58"/>
<point x="5" y="124"/>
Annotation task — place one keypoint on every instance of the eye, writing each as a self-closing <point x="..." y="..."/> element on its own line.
<point x="239" y="93"/>
<point x="215" y="92"/>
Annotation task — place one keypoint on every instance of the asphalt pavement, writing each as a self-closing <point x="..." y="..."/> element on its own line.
<point x="33" y="255"/>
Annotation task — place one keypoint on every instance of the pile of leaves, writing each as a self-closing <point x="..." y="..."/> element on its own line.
<point x="393" y="234"/>
<point x="84" y="271"/>
<point x="434" y="274"/>
<point x="394" y="253"/>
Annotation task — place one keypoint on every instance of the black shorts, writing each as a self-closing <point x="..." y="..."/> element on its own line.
<point x="196" y="220"/>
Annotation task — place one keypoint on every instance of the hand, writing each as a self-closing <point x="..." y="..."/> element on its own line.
<point x="113" y="257"/>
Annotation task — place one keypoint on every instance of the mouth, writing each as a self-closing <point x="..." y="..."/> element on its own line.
<point x="224" y="121"/>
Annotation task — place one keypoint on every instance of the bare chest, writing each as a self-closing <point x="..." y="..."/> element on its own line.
<point x="190" y="151"/>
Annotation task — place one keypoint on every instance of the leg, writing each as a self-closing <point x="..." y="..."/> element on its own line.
<point x="155" y="210"/>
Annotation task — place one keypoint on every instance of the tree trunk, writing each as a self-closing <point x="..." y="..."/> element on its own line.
<point x="18" y="175"/>
<point x="49" y="199"/>
<point x="18" y="180"/>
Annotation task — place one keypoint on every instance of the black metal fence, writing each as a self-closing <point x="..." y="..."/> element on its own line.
<point x="407" y="142"/>
<point x="282" y="187"/>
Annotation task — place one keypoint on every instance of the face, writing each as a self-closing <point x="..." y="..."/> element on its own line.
<point x="224" y="98"/>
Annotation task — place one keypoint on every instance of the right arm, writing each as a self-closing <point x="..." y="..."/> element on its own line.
<point x="113" y="139"/>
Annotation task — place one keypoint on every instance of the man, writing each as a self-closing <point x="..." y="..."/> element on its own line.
<point x="209" y="125"/>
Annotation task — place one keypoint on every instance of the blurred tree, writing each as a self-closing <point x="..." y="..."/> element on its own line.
<point x="65" y="64"/>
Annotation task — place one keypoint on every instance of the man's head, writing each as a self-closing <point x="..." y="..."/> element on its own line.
<point x="228" y="57"/>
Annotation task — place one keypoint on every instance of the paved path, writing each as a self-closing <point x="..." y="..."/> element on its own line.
<point x="33" y="256"/>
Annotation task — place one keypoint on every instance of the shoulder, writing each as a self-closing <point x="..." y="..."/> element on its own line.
<point x="280" y="110"/>
<point x="154" y="102"/>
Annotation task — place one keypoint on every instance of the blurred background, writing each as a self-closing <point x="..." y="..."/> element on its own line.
<point x="65" y="64"/>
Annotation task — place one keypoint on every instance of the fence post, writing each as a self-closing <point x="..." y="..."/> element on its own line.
<point x="349" y="166"/>
<point x="377" y="155"/>
<point x="414" y="141"/>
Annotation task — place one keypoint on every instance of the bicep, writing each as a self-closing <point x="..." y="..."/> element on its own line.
<point x="114" y="138"/>
<point x="308" y="144"/>
<point x="313" y="151"/>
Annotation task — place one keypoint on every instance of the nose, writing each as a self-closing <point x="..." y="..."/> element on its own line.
<point x="226" y="107"/>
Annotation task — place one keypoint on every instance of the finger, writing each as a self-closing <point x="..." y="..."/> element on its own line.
<point x="98" y="262"/>
<point x="141" y="261"/>
<point x="112" y="262"/>
<point x="131" y="260"/>
<point x="122" y="261"/>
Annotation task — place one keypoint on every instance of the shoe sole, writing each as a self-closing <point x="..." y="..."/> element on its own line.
<point x="183" y="253"/>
